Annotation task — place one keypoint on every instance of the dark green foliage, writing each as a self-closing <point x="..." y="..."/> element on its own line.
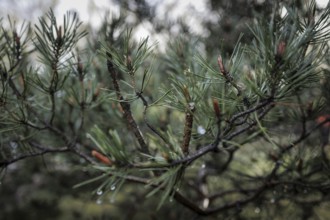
<point x="222" y="135"/>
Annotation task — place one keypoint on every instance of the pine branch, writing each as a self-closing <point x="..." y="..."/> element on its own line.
<point x="151" y="127"/>
<point x="41" y="151"/>
<point x="126" y="107"/>
<point x="188" y="128"/>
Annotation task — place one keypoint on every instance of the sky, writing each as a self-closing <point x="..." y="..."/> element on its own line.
<point x="322" y="3"/>
<point x="93" y="11"/>
<point x="27" y="9"/>
<point x="178" y="8"/>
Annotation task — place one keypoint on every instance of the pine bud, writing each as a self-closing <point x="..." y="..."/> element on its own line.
<point x="186" y="93"/>
<point x="322" y="119"/>
<point x="280" y="51"/>
<point x="129" y="64"/>
<point x="59" y="36"/>
<point x="17" y="40"/>
<point x="216" y="107"/>
<point x="100" y="157"/>
<point x="221" y="66"/>
<point x="80" y="69"/>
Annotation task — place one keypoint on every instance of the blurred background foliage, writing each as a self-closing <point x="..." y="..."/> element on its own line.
<point x="42" y="187"/>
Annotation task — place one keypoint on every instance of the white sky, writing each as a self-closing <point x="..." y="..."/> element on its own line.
<point x="27" y="9"/>
<point x="93" y="11"/>
<point x="97" y="7"/>
<point x="322" y="3"/>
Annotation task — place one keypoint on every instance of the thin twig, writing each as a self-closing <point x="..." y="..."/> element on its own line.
<point x="261" y="105"/>
<point x="151" y="127"/>
<point x="34" y="154"/>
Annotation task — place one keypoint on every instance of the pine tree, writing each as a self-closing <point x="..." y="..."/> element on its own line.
<point x="219" y="134"/>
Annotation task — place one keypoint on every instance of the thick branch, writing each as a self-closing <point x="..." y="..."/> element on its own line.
<point x="126" y="109"/>
<point x="188" y="129"/>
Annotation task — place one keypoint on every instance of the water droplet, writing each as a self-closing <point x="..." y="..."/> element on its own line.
<point x="99" y="201"/>
<point x="113" y="187"/>
<point x="99" y="192"/>
<point x="203" y="165"/>
<point x="257" y="210"/>
<point x="112" y="200"/>
<point x="201" y="130"/>
<point x="171" y="199"/>
<point x="272" y="200"/>
<point x="13" y="144"/>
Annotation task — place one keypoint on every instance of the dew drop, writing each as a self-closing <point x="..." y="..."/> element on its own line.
<point x="113" y="187"/>
<point x="272" y="200"/>
<point x="112" y="200"/>
<point x="13" y="144"/>
<point x="201" y="130"/>
<point x="99" y="192"/>
<point x="99" y="201"/>
<point x="257" y="210"/>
